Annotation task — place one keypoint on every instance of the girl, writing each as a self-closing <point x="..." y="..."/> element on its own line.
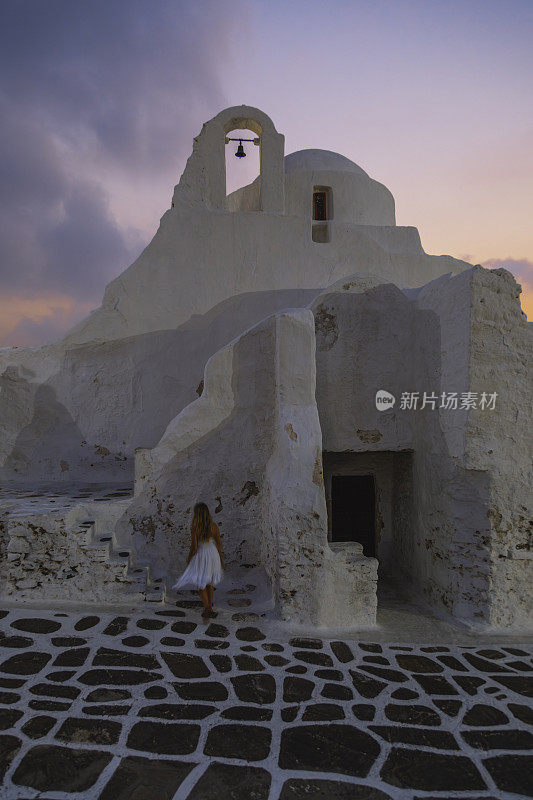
<point x="205" y="560"/>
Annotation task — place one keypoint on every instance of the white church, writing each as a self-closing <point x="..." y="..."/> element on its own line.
<point x="352" y="409"/>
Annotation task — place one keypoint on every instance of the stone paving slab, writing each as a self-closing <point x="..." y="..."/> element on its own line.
<point x="156" y="704"/>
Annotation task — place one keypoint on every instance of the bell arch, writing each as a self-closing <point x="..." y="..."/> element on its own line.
<point x="204" y="176"/>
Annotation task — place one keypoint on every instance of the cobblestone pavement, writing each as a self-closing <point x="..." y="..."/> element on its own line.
<point x="155" y="703"/>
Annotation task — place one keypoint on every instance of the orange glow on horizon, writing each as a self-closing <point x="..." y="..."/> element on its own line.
<point x="526" y="299"/>
<point x="15" y="310"/>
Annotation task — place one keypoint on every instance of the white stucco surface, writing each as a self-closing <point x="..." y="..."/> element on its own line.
<point x="237" y="360"/>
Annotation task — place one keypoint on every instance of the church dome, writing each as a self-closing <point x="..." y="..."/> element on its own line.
<point x="353" y="197"/>
<point x="313" y="160"/>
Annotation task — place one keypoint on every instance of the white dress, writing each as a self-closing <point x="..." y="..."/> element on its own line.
<point x="204" y="567"/>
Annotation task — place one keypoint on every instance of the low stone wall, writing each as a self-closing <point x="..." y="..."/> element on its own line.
<point x="45" y="559"/>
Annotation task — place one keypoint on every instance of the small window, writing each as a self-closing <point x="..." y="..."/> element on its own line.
<point x="320" y="211"/>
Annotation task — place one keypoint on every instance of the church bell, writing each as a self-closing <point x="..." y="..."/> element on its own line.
<point x="240" y="151"/>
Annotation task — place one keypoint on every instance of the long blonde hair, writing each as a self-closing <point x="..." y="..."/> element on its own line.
<point x="201" y="522"/>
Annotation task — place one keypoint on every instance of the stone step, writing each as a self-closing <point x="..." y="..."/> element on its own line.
<point x="86" y="532"/>
<point x="98" y="551"/>
<point x="135" y="580"/>
<point x="153" y="596"/>
<point x="130" y="594"/>
<point x="121" y="557"/>
<point x="134" y="577"/>
<point x="119" y="562"/>
<point x="172" y="594"/>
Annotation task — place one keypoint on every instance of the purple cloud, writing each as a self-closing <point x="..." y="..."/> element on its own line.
<point x="82" y="86"/>
<point x="521" y="268"/>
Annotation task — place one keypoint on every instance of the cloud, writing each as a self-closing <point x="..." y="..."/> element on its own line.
<point x="522" y="269"/>
<point x="88" y="89"/>
<point x="122" y="77"/>
<point x="56" y="230"/>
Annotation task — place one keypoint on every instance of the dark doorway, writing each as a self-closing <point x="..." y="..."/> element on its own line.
<point x="353" y="511"/>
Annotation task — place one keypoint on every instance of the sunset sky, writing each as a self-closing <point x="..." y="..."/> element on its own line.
<point x="100" y="101"/>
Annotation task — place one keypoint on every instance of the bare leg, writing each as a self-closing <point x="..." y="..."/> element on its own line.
<point x="209" y="590"/>
<point x="204" y="598"/>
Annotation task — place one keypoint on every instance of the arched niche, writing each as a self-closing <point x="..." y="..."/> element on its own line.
<point x="204" y="177"/>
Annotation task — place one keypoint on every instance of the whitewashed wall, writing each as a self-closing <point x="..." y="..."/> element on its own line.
<point x="250" y="447"/>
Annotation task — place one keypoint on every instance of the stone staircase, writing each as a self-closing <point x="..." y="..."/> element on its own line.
<point x="136" y="576"/>
<point x="72" y="554"/>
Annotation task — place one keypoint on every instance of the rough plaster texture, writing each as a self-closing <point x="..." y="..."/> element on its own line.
<point x="251" y="447"/>
<point x="458" y="486"/>
<point x="60" y="555"/>
<point x="83" y="419"/>
<point x="500" y="361"/>
<point x="370" y="310"/>
<point x="295" y="547"/>
<point x="462" y="479"/>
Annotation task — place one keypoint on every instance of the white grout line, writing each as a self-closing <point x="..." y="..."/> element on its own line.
<point x="96" y="639"/>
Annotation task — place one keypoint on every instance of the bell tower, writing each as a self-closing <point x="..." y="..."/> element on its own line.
<point x="204" y="176"/>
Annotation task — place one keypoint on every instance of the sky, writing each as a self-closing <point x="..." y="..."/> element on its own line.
<point x="100" y="101"/>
